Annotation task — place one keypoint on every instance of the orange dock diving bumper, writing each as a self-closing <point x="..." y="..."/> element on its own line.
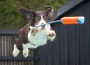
<point x="73" y="20"/>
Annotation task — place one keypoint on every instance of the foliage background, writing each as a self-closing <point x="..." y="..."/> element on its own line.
<point x="10" y="16"/>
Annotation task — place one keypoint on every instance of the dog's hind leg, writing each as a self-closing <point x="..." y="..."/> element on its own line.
<point x="25" y="50"/>
<point x="15" y="51"/>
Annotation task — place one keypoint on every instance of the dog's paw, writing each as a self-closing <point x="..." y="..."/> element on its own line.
<point x="15" y="53"/>
<point x="51" y="35"/>
<point x="33" y="30"/>
<point x="25" y="53"/>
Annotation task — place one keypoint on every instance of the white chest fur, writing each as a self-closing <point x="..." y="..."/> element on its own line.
<point x="39" y="39"/>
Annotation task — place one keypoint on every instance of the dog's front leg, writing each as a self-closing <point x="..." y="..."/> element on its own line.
<point x="33" y="30"/>
<point x="25" y="50"/>
<point x="51" y="35"/>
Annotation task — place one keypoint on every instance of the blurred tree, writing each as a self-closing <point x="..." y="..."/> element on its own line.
<point x="9" y="10"/>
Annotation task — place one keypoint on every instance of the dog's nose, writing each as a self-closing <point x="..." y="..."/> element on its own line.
<point x="43" y="24"/>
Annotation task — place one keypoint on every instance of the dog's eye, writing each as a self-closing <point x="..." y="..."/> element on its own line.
<point x="45" y="18"/>
<point x="37" y="18"/>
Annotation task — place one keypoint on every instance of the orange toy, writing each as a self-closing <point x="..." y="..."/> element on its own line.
<point x="72" y="20"/>
<point x="68" y="20"/>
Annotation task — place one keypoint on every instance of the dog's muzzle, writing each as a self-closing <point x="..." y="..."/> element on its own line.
<point x="43" y="27"/>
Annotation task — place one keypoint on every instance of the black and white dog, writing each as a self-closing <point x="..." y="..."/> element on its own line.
<point x="31" y="37"/>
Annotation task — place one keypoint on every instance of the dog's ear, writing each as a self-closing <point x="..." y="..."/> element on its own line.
<point x="28" y="14"/>
<point x="49" y="11"/>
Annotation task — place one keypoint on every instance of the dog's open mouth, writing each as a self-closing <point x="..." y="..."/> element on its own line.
<point x="43" y="27"/>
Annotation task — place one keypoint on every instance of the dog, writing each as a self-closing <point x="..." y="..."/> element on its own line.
<point x="30" y="36"/>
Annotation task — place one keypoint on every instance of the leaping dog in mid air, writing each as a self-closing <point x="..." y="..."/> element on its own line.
<point x="29" y="35"/>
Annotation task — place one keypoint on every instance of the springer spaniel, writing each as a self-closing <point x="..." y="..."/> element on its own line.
<point x="29" y="35"/>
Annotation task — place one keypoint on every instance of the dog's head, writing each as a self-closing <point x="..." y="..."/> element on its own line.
<point x="37" y="18"/>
